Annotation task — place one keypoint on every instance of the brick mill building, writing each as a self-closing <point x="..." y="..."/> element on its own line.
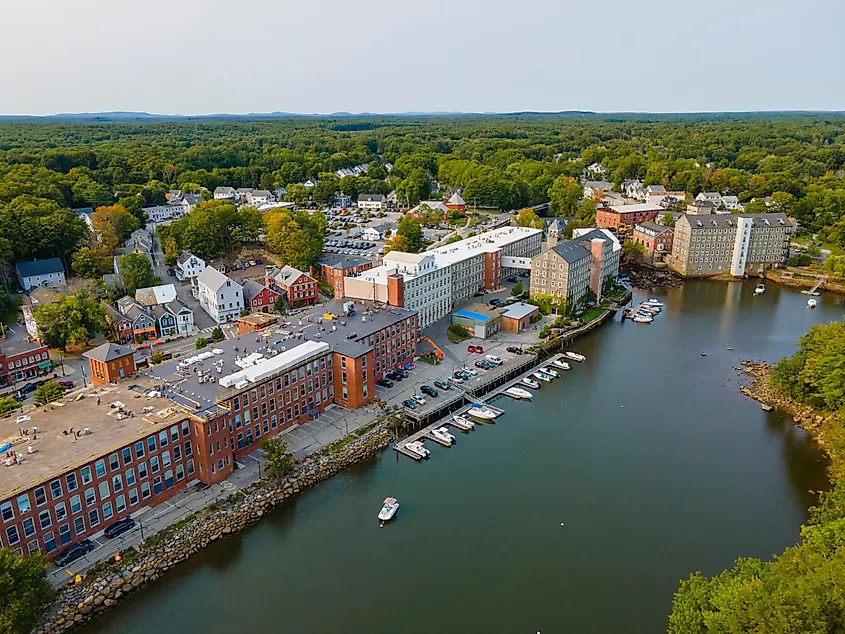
<point x="654" y="237"/>
<point x="334" y="268"/>
<point x="615" y="216"/>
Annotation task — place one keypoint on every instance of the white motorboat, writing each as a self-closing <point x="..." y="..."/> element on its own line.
<point x="648" y="308"/>
<point x="462" y="422"/>
<point x="482" y="413"/>
<point x="760" y="289"/>
<point x="388" y="509"/>
<point x="442" y="434"/>
<point x="418" y="448"/>
<point x="543" y="376"/>
<point x="531" y="383"/>
<point x="518" y="392"/>
<point x="811" y="303"/>
<point x="655" y="302"/>
<point x="574" y="356"/>
<point x="550" y="372"/>
<point x="642" y="319"/>
<point x="563" y="365"/>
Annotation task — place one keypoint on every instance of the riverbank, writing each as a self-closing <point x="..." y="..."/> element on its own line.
<point x="804" y="282"/>
<point x="823" y="427"/>
<point x="107" y="587"/>
<point x="650" y="279"/>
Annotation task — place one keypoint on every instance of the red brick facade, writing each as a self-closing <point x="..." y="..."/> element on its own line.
<point x="19" y="366"/>
<point x="334" y="274"/>
<point x="614" y="217"/>
<point x="655" y="240"/>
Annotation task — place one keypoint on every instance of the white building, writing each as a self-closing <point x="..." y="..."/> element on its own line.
<point x="731" y="202"/>
<point x="376" y="232"/>
<point x="37" y="273"/>
<point x="219" y="296"/>
<point x="595" y="189"/>
<point x="258" y="197"/>
<point x="158" y="213"/>
<point x="225" y="193"/>
<point x="597" y="169"/>
<point x="712" y="197"/>
<point x="371" y="202"/>
<point x="188" y="266"/>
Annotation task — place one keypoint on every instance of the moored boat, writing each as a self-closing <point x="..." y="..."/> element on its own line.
<point x="462" y="422"/>
<point x="546" y="369"/>
<point x="563" y="365"/>
<point x="811" y="303"/>
<point x="760" y="289"/>
<point x="418" y="448"/>
<point x="643" y="319"/>
<point x="543" y="376"/>
<point x="531" y="383"/>
<point x="442" y="434"/>
<point x="574" y="356"/>
<point x="388" y="509"/>
<point x="518" y="392"/>
<point x="482" y="413"/>
<point x="655" y="302"/>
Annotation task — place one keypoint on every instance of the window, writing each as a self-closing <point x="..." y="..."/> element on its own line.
<point x="103" y="488"/>
<point x="79" y="525"/>
<point x="145" y="490"/>
<point x="93" y="517"/>
<point x="75" y="504"/>
<point x="177" y="452"/>
<point x="55" y="489"/>
<point x="127" y="455"/>
<point x="100" y="468"/>
<point x="23" y="504"/>
<point x="142" y="470"/>
<point x="61" y="511"/>
<point x="190" y="466"/>
<point x="139" y="450"/>
<point x="174" y="433"/>
<point x="157" y="485"/>
<point x="120" y="504"/>
<point x="44" y="519"/>
<point x="70" y="480"/>
<point x="12" y="536"/>
<point x="108" y="513"/>
<point x="162" y="438"/>
<point x="28" y="527"/>
<point x="114" y="463"/>
<point x="188" y="448"/>
<point x="64" y="534"/>
<point x="40" y="496"/>
<point x="180" y="473"/>
<point x="117" y="483"/>
<point x="86" y="475"/>
<point x="151" y="443"/>
<point x="90" y="497"/>
<point x="133" y="496"/>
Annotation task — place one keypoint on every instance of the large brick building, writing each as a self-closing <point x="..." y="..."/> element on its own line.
<point x="21" y="360"/>
<point x="335" y="267"/>
<point x="615" y="216"/>
<point x="654" y="237"/>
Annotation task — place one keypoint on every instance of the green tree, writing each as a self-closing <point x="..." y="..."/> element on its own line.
<point x="528" y="218"/>
<point x="136" y="272"/>
<point x="277" y="460"/>
<point x="565" y="195"/>
<point x="48" y="392"/>
<point x="8" y="405"/>
<point x="414" y="188"/>
<point x="756" y="206"/>
<point x="171" y="251"/>
<point x="297" y="194"/>
<point x="410" y="229"/>
<point x="91" y="263"/>
<point x="517" y="289"/>
<point x="572" y="225"/>
<point x="24" y="591"/>
<point x="73" y="320"/>
<point x="397" y="243"/>
<point x="157" y="357"/>
<point x="201" y="343"/>
<point x="633" y="251"/>
<point x="217" y="335"/>
<point x="280" y="305"/>
<point x="296" y="240"/>
<point x="834" y="264"/>
<point x="667" y="220"/>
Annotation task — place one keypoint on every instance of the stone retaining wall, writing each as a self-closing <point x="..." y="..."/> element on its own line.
<point x="76" y="604"/>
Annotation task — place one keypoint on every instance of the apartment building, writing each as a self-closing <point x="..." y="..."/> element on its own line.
<point x="299" y="288"/>
<point x="188" y="266"/>
<point x="654" y="237"/>
<point x="49" y="272"/>
<point x="219" y="296"/>
<point x="21" y="360"/>
<point x="735" y="244"/>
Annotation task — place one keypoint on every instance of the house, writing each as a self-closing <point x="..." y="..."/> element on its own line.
<point x="595" y="189"/>
<point x="110" y="363"/>
<point x="242" y="194"/>
<point x="155" y="295"/>
<point x="86" y="213"/>
<point x="165" y="321"/>
<point x="371" y="202"/>
<point x="189" y="201"/>
<point x="184" y="316"/>
<point x="142" y="325"/>
<point x="280" y="193"/>
<point x="298" y="287"/>
<point x="342" y="200"/>
<point x="258" y="197"/>
<point x="311" y="182"/>
<point x="49" y="272"/>
<point x="597" y="169"/>
<point x="456" y="202"/>
<point x="219" y="296"/>
<point x="654" y="237"/>
<point x="518" y="317"/>
<point x="255" y="322"/>
<point x="259" y="297"/>
<point x="731" y="202"/>
<point x="160" y="213"/>
<point x="376" y="232"/>
<point x="391" y="200"/>
<point x="225" y="193"/>
<point x="174" y="196"/>
<point x="334" y="268"/>
<point x="188" y="266"/>
<point x="713" y="197"/>
<point x="701" y="207"/>
<point x="36" y="298"/>
<point x="633" y="188"/>
<point x="655" y="190"/>
<point x="431" y="204"/>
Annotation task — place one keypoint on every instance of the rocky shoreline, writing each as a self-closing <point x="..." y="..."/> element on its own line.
<point x="652" y="279"/>
<point x="79" y="603"/>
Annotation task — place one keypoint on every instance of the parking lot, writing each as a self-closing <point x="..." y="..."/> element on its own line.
<point x="352" y="247"/>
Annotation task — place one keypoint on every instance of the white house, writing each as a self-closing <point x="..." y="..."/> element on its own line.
<point x="311" y="182"/>
<point x="597" y="169"/>
<point x="633" y="188"/>
<point x="731" y="202"/>
<point x="371" y="202"/>
<point x="158" y="213"/>
<point x="225" y="193"/>
<point x="594" y="189"/>
<point x="188" y="266"/>
<point x="712" y="197"/>
<point x="258" y="197"/>
<point x="189" y="201"/>
<point x="219" y="296"/>
<point x="375" y="233"/>
<point x="242" y="194"/>
<point x="37" y="273"/>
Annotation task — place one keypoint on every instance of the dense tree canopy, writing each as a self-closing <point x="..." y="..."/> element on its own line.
<point x="73" y="320"/>
<point x="24" y="590"/>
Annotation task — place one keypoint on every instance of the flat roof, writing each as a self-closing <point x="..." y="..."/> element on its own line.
<point x="19" y="346"/>
<point x="111" y="428"/>
<point x="520" y="310"/>
<point x="629" y="209"/>
<point x="483" y="243"/>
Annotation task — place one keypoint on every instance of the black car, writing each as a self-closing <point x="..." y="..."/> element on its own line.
<point x="513" y="279"/>
<point x="514" y="350"/>
<point x="405" y="374"/>
<point x="409" y="404"/>
<point x="395" y="376"/>
<point x="385" y="382"/>
<point x="427" y="389"/>
<point x="119" y="527"/>
<point x="74" y="552"/>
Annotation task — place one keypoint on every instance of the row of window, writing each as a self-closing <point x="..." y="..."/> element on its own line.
<point x="38" y="357"/>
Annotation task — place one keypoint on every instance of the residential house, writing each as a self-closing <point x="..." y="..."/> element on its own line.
<point x="49" y="272"/>
<point x="188" y="266"/>
<point x="731" y="202"/>
<point x="258" y="197"/>
<point x="142" y="323"/>
<point x="298" y="287"/>
<point x="160" y="213"/>
<point x="713" y="197"/>
<point x="219" y="296"/>
<point x="654" y="237"/>
<point x="597" y="169"/>
<point x="242" y="194"/>
<point x="184" y="316"/>
<point x="155" y="295"/>
<point x="189" y="201"/>
<point x="165" y="321"/>
<point x="342" y="200"/>
<point x="371" y="202"/>
<point x="655" y="190"/>
<point x="376" y="232"/>
<point x="633" y="188"/>
<point x="225" y="193"/>
<point x="259" y="297"/>
<point x="596" y="189"/>
<point x="86" y="213"/>
<point x="701" y="207"/>
<point x="310" y="183"/>
<point x="109" y="363"/>
<point x="280" y="192"/>
<point x="34" y="300"/>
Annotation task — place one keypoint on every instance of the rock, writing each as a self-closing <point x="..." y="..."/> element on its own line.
<point x="766" y="407"/>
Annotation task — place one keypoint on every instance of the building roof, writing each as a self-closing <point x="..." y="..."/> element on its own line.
<point x="520" y="310"/>
<point x="702" y="203"/>
<point x="40" y="267"/>
<point x="474" y="315"/>
<point x="652" y="226"/>
<point x="456" y="200"/>
<point x="108" y="352"/>
<point x="656" y="189"/>
<point x="376" y="198"/>
<point x="381" y="228"/>
<point x="192" y="199"/>
<point x="286" y="275"/>
<point x="725" y="221"/>
<point x="554" y="225"/>
<point x="261" y="192"/>
<point x="224" y="190"/>
<point x="155" y="295"/>
<point x="342" y="261"/>
<point x="603" y="185"/>
<point x="571" y="251"/>
<point x="187" y="255"/>
<point x="213" y="279"/>
<point x="402" y="256"/>
<point x="19" y="346"/>
<point x="253" y="288"/>
<point x="602" y="234"/>
<point x="260" y="320"/>
<point x="630" y="209"/>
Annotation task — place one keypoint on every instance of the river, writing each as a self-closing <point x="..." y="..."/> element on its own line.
<point x="579" y="512"/>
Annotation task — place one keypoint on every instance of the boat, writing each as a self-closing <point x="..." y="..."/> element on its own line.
<point x="388" y="509"/>
<point x="641" y="318"/>
<point x="574" y="356"/>
<point x="462" y="422"/>
<point x="442" y="435"/>
<point x="811" y="303"/>
<point x="517" y="392"/>
<point x="543" y="376"/>
<point x="482" y="413"/>
<point x="655" y="302"/>
<point x="760" y="289"/>
<point x="648" y="308"/>
<point x="563" y="365"/>
<point x="553" y="373"/>
<point x="531" y="383"/>
<point x="418" y="448"/>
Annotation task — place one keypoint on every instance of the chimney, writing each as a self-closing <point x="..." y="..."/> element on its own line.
<point x="396" y="290"/>
<point x="596" y="260"/>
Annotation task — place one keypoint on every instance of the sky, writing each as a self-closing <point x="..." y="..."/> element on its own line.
<point x="390" y="56"/>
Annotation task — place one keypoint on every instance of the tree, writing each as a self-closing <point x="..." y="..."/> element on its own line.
<point x="756" y="206"/>
<point x="73" y="320"/>
<point x="587" y="211"/>
<point x="397" y="243"/>
<point x="834" y="264"/>
<point x="201" y="343"/>
<point x="297" y="194"/>
<point x="8" y="405"/>
<point x="528" y="218"/>
<point x="633" y="251"/>
<point x="565" y="195"/>
<point x="217" y="335"/>
<point x="91" y="263"/>
<point x="24" y="591"/>
<point x="136" y="272"/>
<point x="280" y="305"/>
<point x="410" y="229"/>
<point x="113" y="225"/>
<point x="414" y="188"/>
<point x="667" y="220"/>
<point x="171" y="251"/>
<point x="48" y="392"/>
<point x="297" y="239"/>
<point x="277" y="460"/>
<point x="517" y="289"/>
<point x="572" y="225"/>
<point x="157" y="357"/>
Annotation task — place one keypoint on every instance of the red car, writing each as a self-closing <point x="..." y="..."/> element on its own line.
<point x="65" y="384"/>
<point x="476" y="349"/>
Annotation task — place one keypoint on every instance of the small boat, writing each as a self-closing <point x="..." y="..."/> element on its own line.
<point x="543" y="376"/>
<point x="482" y="413"/>
<point x="655" y="302"/>
<point x="518" y="392"/>
<point x="388" y="509"/>
<point x="574" y="356"/>
<point x="462" y="422"/>
<point x="563" y="365"/>
<point x="550" y="372"/>
<point x="811" y="303"/>
<point x="531" y="383"/>
<point x="760" y="289"/>
<point x="418" y="448"/>
<point x="648" y="308"/>
<point x="643" y="319"/>
<point x="442" y="434"/>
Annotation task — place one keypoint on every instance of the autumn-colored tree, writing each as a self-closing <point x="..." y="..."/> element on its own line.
<point x="113" y="225"/>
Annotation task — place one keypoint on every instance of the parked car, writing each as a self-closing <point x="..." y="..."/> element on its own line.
<point x="525" y="275"/>
<point x="471" y="371"/>
<point x="394" y="376"/>
<point x="259" y="262"/>
<point x="73" y="552"/>
<point x="458" y="376"/>
<point x="430" y="391"/>
<point x="419" y="399"/>
<point x="405" y="374"/>
<point x="443" y="385"/>
<point x="481" y="364"/>
<point x="514" y="350"/>
<point x="494" y="359"/>
<point x="513" y="279"/>
<point x="409" y="404"/>
<point x="171" y="272"/>
<point x="119" y="527"/>
<point x="476" y="349"/>
<point x="65" y="384"/>
<point x="385" y="383"/>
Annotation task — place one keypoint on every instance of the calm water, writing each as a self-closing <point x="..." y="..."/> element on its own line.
<point x="688" y="475"/>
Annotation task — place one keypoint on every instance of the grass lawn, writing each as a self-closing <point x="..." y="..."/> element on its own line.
<point x="591" y="314"/>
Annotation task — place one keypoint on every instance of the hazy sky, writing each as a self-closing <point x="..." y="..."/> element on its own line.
<point x="238" y="56"/>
